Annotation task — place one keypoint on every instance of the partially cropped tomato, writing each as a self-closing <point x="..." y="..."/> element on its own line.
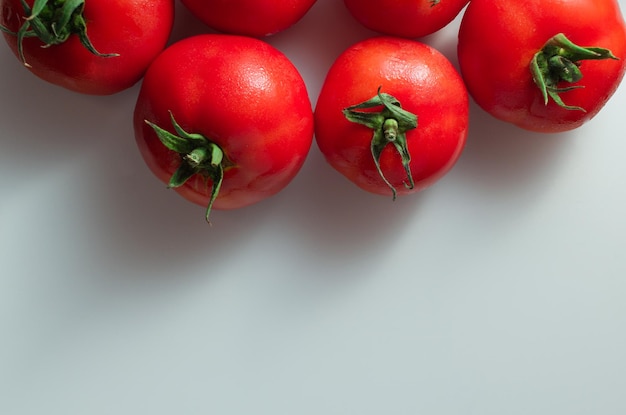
<point x="406" y="18"/>
<point x="256" y="18"/>
<point x="225" y="120"/>
<point x="97" y="47"/>
<point x="392" y="115"/>
<point x="544" y="65"/>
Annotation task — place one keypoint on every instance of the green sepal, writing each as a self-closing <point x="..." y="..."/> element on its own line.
<point x="53" y="22"/>
<point x="37" y="8"/>
<point x="198" y="155"/>
<point x="172" y="141"/>
<point x="182" y="141"/>
<point x="389" y="126"/>
<point x="184" y="172"/>
<point x="559" y="61"/>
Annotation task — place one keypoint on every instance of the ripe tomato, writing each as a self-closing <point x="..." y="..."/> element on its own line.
<point x="249" y="17"/>
<point x="406" y="18"/>
<point x="392" y="115"/>
<point x="225" y="120"/>
<point x="95" y="47"/>
<point x="544" y="65"/>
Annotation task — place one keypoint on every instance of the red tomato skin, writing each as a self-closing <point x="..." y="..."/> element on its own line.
<point x="242" y="94"/>
<point x="494" y="58"/>
<point x="137" y="30"/>
<point x="257" y="18"/>
<point x="425" y="83"/>
<point x="405" y="18"/>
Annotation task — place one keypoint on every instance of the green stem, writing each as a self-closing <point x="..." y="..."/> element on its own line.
<point x="53" y="22"/>
<point x="559" y="61"/>
<point x="389" y="126"/>
<point x="198" y="155"/>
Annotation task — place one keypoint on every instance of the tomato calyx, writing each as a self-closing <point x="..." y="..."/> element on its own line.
<point x="198" y="155"/>
<point x="390" y="125"/>
<point x="53" y="22"/>
<point x="559" y="60"/>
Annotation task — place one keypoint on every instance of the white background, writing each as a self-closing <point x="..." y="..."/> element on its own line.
<point x="499" y="291"/>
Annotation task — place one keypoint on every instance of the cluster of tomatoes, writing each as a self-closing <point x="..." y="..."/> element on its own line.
<point x="226" y="121"/>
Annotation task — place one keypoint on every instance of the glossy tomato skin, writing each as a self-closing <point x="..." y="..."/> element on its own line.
<point x="256" y="18"/>
<point x="137" y="30"/>
<point x="494" y="58"/>
<point x="425" y="83"/>
<point x="405" y="18"/>
<point x="242" y="94"/>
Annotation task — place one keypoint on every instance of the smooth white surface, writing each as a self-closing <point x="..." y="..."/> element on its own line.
<point x="499" y="291"/>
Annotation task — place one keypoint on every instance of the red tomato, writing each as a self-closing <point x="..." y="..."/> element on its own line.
<point x="406" y="18"/>
<point x="249" y="17"/>
<point x="124" y="37"/>
<point x="225" y="120"/>
<point x="571" y="44"/>
<point x="392" y="115"/>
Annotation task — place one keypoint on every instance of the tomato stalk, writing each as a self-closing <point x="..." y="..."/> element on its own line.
<point x="198" y="155"/>
<point x="53" y="22"/>
<point x="390" y="125"/>
<point x="559" y="60"/>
